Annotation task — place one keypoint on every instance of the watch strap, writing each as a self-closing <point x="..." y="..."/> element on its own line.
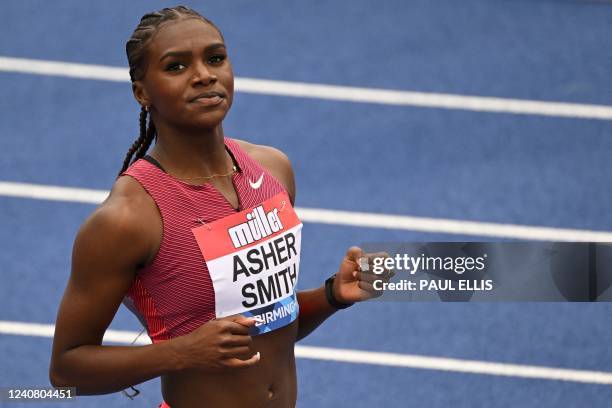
<point x="329" y="294"/>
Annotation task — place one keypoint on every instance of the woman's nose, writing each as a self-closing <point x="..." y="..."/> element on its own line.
<point x="203" y="74"/>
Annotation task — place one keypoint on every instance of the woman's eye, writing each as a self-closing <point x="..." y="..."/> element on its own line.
<point x="215" y="59"/>
<point x="175" y="66"/>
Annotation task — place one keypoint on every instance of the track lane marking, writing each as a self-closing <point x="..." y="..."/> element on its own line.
<point x="366" y="357"/>
<point x="346" y="218"/>
<point x="332" y="92"/>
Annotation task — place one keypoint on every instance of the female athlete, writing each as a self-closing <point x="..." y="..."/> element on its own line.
<point x="200" y="238"/>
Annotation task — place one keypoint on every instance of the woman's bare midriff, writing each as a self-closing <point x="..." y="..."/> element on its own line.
<point x="271" y="383"/>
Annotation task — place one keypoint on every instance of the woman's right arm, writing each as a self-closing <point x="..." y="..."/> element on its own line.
<point x="116" y="240"/>
<point x="110" y="246"/>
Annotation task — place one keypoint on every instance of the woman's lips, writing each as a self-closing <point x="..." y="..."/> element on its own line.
<point x="208" y="100"/>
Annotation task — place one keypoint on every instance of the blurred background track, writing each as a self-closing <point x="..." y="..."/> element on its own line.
<point x="405" y="121"/>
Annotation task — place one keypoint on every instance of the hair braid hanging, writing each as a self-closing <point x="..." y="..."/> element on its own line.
<point x="142" y="143"/>
<point x="150" y="134"/>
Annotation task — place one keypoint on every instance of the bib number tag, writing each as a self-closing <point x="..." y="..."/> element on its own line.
<point x="253" y="258"/>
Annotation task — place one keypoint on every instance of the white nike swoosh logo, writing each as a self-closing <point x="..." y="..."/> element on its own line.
<point x="257" y="184"/>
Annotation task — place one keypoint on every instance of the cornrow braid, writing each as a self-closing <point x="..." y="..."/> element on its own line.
<point x="150" y="134"/>
<point x="142" y="143"/>
<point x="135" y="49"/>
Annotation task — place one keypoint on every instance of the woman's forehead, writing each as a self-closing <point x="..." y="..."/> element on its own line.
<point x="184" y="34"/>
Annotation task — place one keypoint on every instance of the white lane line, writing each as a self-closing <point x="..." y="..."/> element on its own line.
<point x="453" y="364"/>
<point x="348" y="218"/>
<point x="53" y="193"/>
<point x="64" y="69"/>
<point x="367" y="357"/>
<point x="424" y="99"/>
<point x="450" y="226"/>
<point x="332" y="92"/>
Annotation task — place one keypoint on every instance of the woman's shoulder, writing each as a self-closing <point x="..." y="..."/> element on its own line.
<point x="128" y="216"/>
<point x="127" y="195"/>
<point x="275" y="161"/>
<point x="264" y="154"/>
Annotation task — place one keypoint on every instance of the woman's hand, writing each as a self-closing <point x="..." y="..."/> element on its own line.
<point x="352" y="284"/>
<point x="217" y="345"/>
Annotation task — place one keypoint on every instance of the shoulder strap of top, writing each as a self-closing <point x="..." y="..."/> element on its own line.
<point x="157" y="164"/>
<point x="154" y="162"/>
<point x="242" y="160"/>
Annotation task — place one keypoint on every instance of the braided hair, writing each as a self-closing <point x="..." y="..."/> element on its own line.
<point x="136" y="52"/>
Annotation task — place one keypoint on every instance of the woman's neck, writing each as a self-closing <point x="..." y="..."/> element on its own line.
<point x="194" y="154"/>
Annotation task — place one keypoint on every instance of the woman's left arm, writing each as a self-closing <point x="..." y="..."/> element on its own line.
<point x="350" y="285"/>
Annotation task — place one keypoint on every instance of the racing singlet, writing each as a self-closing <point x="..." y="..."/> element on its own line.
<point x="215" y="260"/>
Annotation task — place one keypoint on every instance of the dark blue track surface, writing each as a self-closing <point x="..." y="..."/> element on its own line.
<point x="395" y="160"/>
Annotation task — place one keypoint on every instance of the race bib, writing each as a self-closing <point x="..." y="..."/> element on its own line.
<point x="253" y="258"/>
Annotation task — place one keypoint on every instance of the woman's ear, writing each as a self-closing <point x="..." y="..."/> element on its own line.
<point x="140" y="93"/>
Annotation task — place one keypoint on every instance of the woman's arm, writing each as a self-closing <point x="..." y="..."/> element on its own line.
<point x="314" y="310"/>
<point x="107" y="251"/>
<point x="350" y="285"/>
<point x="120" y="237"/>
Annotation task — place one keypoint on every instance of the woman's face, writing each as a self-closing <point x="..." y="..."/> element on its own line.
<point x="189" y="81"/>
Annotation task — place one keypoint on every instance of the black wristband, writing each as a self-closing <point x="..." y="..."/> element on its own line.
<point x="329" y="294"/>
